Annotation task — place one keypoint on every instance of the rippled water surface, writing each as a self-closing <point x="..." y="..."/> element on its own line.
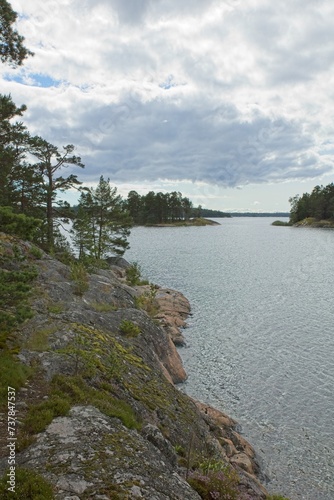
<point x="260" y="342"/>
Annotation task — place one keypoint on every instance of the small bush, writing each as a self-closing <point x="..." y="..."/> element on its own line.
<point x="41" y="415"/>
<point x="147" y="302"/>
<point x="28" y="486"/>
<point x="56" y="308"/>
<point x="36" y="252"/>
<point x="129" y="328"/>
<point x="12" y="373"/>
<point x="80" y="277"/>
<point x="133" y="275"/>
<point x="215" y="481"/>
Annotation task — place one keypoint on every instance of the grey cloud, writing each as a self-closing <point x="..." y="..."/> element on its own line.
<point x="138" y="141"/>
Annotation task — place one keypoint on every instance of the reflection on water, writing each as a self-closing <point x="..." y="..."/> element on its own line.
<point x="260" y="343"/>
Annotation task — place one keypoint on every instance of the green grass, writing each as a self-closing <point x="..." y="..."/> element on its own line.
<point x="56" y="308"/>
<point x="28" y="486"/>
<point x="77" y="391"/>
<point x="12" y="374"/>
<point x="39" y="416"/>
<point x="39" y="340"/>
<point x="103" y="307"/>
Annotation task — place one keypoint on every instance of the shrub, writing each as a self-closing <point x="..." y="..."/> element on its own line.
<point x="215" y="480"/>
<point x="12" y="373"/>
<point x="129" y="328"/>
<point x="41" y="415"/>
<point x="80" y="277"/>
<point x="133" y="275"/>
<point x="147" y="302"/>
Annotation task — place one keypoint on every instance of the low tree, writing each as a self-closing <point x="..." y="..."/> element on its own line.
<point x="51" y="161"/>
<point x="102" y="224"/>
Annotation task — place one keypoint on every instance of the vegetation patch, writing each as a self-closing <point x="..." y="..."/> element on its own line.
<point x="129" y="328"/>
<point x="281" y="223"/>
<point x="12" y="373"/>
<point x="77" y="391"/>
<point x="80" y="277"/>
<point x="39" y="416"/>
<point x="39" y="340"/>
<point x="103" y="307"/>
<point x="28" y="486"/>
<point x="147" y="302"/>
<point x="133" y="275"/>
<point x="216" y="480"/>
<point x="56" y="308"/>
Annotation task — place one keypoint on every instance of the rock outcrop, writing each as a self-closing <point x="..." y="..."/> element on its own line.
<point x="100" y="416"/>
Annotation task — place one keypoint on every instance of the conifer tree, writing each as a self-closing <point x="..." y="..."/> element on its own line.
<point x="102" y="224"/>
<point x="51" y="161"/>
<point x="12" y="50"/>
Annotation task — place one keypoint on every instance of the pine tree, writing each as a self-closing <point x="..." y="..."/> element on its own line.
<point x="51" y="161"/>
<point x="12" y="50"/>
<point x="102" y="224"/>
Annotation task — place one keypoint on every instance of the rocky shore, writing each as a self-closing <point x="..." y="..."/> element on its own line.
<point x="99" y="415"/>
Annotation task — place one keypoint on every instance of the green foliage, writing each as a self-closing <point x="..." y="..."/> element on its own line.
<point x="133" y="275"/>
<point x="15" y="286"/>
<point x="12" y="49"/>
<point x="103" y="307"/>
<point x="319" y="204"/>
<point x="102" y="224"/>
<point x="129" y="328"/>
<point x="36" y="252"/>
<point x="39" y="339"/>
<point x="50" y="161"/>
<point x="56" y="308"/>
<point x="80" y="277"/>
<point x="12" y="374"/>
<point x="18" y="224"/>
<point x="79" y="392"/>
<point x="28" y="486"/>
<point x="157" y="208"/>
<point x="39" y="416"/>
<point x="215" y="480"/>
<point x="147" y="302"/>
<point x="281" y="223"/>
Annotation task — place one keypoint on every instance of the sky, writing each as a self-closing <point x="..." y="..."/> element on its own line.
<point x="230" y="102"/>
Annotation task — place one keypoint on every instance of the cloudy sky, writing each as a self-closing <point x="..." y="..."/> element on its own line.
<point x="231" y="102"/>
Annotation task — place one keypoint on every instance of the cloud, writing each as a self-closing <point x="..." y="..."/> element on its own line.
<point x="229" y="93"/>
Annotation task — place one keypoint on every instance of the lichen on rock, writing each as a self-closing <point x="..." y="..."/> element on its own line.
<point x="100" y="416"/>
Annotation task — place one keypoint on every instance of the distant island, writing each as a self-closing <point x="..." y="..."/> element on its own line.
<point x="315" y="209"/>
<point x="261" y="214"/>
<point x="198" y="221"/>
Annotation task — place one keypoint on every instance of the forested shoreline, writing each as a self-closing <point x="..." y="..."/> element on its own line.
<point x="317" y="205"/>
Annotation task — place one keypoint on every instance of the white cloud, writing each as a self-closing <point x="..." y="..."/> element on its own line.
<point x="229" y="93"/>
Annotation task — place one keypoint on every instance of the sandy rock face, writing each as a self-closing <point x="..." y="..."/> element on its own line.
<point x="174" y="308"/>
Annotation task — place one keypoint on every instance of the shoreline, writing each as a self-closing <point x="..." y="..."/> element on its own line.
<point x="101" y="391"/>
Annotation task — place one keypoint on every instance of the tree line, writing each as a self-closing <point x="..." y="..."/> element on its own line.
<point x="33" y="181"/>
<point x="318" y="204"/>
<point x="156" y="208"/>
